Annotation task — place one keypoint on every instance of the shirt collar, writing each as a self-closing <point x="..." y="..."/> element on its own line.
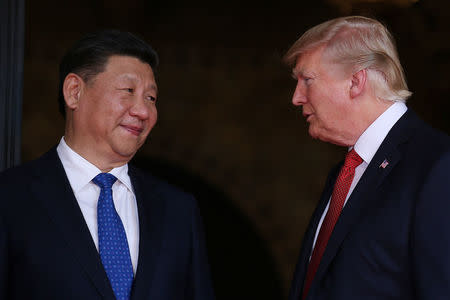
<point x="369" y="142"/>
<point x="80" y="172"/>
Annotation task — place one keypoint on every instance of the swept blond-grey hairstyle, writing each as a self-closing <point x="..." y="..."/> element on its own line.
<point x="358" y="43"/>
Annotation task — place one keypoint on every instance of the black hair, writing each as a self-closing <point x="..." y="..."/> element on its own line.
<point x="89" y="55"/>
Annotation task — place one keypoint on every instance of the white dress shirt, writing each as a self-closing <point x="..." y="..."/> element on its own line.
<point x="80" y="173"/>
<point x="367" y="145"/>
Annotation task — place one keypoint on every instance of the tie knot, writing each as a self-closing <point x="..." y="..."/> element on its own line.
<point x="104" y="180"/>
<point x="352" y="159"/>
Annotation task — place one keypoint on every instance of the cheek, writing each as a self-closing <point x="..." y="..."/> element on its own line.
<point x="151" y="120"/>
<point x="153" y="115"/>
<point x="116" y="112"/>
<point x="119" y="106"/>
<point x="331" y="103"/>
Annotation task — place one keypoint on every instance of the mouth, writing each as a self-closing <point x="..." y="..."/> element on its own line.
<point x="307" y="116"/>
<point x="135" y="130"/>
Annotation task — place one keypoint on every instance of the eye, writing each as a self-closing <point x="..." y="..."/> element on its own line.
<point x="307" y="80"/>
<point x="127" y="90"/>
<point x="151" y="98"/>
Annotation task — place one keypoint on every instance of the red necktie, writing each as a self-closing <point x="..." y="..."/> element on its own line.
<point x="341" y="187"/>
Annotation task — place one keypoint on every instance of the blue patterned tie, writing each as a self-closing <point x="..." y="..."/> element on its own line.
<point x="112" y="240"/>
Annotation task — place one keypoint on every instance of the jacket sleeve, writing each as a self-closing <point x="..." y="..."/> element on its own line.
<point x="431" y="235"/>
<point x="3" y="260"/>
<point x="200" y="284"/>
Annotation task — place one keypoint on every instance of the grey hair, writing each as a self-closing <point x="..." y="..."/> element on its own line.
<point x="358" y="43"/>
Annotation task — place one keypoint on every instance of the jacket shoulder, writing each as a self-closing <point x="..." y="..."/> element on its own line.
<point x="429" y="141"/>
<point x="22" y="173"/>
<point x="145" y="182"/>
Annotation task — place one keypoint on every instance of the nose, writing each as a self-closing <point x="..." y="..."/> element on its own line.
<point x="140" y="109"/>
<point x="299" y="97"/>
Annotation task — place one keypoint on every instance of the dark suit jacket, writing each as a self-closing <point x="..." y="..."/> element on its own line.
<point x="392" y="239"/>
<point x="46" y="250"/>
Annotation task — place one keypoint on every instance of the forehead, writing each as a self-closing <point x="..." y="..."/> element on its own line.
<point x="316" y="63"/>
<point x="310" y="61"/>
<point x="129" y="68"/>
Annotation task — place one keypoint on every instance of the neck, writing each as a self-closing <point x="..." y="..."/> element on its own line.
<point x="365" y="115"/>
<point x="105" y="164"/>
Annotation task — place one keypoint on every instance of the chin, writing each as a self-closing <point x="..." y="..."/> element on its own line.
<point x="125" y="152"/>
<point x="321" y="135"/>
<point x="313" y="133"/>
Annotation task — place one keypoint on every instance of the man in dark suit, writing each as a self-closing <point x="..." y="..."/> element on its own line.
<point x="381" y="228"/>
<point x="79" y="222"/>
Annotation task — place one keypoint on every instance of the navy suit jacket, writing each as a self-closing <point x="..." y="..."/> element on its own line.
<point x="47" y="252"/>
<point x="392" y="239"/>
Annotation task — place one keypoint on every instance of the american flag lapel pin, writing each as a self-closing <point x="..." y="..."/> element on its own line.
<point x="384" y="164"/>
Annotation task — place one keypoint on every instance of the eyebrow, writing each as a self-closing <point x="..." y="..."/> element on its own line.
<point x="302" y="73"/>
<point x="296" y="73"/>
<point x="133" y="78"/>
<point x="154" y="87"/>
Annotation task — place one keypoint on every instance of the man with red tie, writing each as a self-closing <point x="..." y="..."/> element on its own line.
<point x="380" y="230"/>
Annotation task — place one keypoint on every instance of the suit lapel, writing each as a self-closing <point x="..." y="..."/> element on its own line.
<point x="305" y="252"/>
<point x="52" y="188"/>
<point x="362" y="197"/>
<point x="151" y="210"/>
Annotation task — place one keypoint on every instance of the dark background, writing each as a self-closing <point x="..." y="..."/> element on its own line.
<point x="227" y="131"/>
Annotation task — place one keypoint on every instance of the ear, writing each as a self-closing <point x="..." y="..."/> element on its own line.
<point x="72" y="90"/>
<point x="358" y="84"/>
